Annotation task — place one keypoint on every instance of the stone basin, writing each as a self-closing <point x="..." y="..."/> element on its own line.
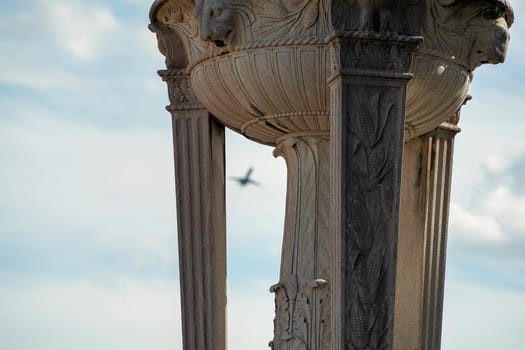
<point x="437" y="91"/>
<point x="265" y="93"/>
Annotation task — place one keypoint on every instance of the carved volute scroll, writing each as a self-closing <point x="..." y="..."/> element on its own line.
<point x="175" y="27"/>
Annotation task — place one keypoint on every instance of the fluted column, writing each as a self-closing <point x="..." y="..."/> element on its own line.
<point x="425" y="199"/>
<point x="302" y="296"/>
<point x="198" y="142"/>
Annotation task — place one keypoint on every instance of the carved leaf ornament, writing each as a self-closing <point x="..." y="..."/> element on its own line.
<point x="371" y="167"/>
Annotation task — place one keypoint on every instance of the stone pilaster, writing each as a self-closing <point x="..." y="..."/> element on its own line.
<point x="198" y="141"/>
<point x="302" y="296"/>
<point x="368" y="94"/>
<point x="425" y="198"/>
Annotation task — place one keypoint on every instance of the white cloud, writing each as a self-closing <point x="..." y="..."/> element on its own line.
<point x="250" y="319"/>
<point x="490" y="222"/>
<point x="491" y="137"/>
<point x="477" y="228"/>
<point x="111" y="189"/>
<point x="124" y="314"/>
<point x="76" y="45"/>
<point x="131" y="315"/>
<point x="139" y="315"/>
<point x="103" y="189"/>
<point x="488" y="203"/>
<point x="509" y="208"/>
<point x="496" y="164"/>
<point x="81" y="28"/>
<point x="482" y="317"/>
<point x="36" y="78"/>
<point x="255" y="211"/>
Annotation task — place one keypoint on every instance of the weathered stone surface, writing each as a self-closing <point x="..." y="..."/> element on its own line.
<point x="302" y="295"/>
<point x="425" y="196"/>
<point x="198" y="144"/>
<point x="222" y="42"/>
<point x="341" y="88"/>
<point x="199" y="169"/>
<point x="367" y="121"/>
<point x="459" y="36"/>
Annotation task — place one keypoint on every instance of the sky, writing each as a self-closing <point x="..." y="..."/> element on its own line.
<point x="88" y="249"/>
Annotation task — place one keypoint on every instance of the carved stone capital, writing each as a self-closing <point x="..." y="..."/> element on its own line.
<point x="369" y="54"/>
<point x="180" y="92"/>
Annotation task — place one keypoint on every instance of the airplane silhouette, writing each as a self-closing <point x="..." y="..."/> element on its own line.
<point x="245" y="180"/>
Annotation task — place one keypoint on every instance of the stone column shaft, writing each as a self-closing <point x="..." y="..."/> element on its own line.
<point x="440" y="147"/>
<point x="302" y="296"/>
<point x="425" y="199"/>
<point x="198" y="141"/>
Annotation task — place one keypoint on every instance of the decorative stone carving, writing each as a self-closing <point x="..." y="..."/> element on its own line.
<point x="177" y="33"/>
<point x="370" y="209"/>
<point x="180" y="93"/>
<point x="376" y="9"/>
<point x="216" y="21"/>
<point x="459" y="36"/>
<point x="454" y="31"/>
<point x="198" y="144"/>
<point x="440" y="67"/>
<point x="469" y="32"/>
<point x="380" y="16"/>
<point x="278" y="19"/>
<point x="224" y="22"/>
<point x="327" y="83"/>
<point x="302" y="296"/>
<point x="367" y="138"/>
<point x="268" y="92"/>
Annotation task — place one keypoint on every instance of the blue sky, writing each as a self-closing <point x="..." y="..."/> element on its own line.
<point x="88" y="251"/>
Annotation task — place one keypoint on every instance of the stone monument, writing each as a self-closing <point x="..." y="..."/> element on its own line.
<point x="362" y="99"/>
